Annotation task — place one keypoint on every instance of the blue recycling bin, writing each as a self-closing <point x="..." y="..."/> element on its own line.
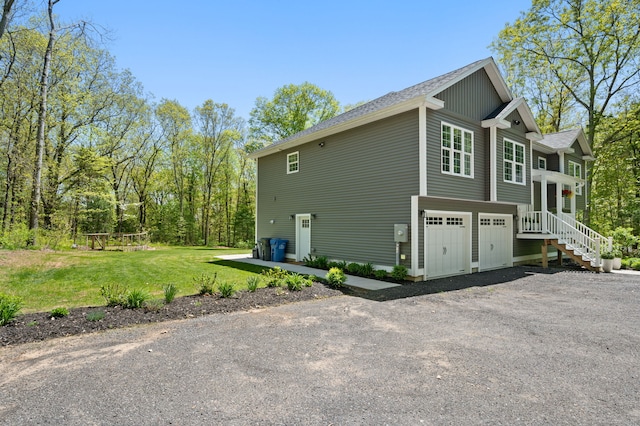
<point x="278" y="247"/>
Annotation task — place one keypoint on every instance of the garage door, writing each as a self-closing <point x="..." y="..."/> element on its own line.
<point x="495" y="241"/>
<point x="447" y="240"/>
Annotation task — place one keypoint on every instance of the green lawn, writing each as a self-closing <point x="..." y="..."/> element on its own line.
<point x="45" y="280"/>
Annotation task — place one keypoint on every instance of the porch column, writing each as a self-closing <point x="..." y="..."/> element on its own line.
<point x="543" y="202"/>
<point x="559" y="203"/>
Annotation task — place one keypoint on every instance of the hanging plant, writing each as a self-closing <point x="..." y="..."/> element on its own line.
<point x="567" y="193"/>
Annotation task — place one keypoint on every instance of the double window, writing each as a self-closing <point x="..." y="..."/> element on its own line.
<point x="293" y="162"/>
<point x="514" y="162"/>
<point x="575" y="170"/>
<point x="457" y="151"/>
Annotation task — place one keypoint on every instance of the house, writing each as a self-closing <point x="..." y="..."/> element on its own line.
<point x="442" y="177"/>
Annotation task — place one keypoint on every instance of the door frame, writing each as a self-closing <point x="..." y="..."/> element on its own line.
<point x="299" y="248"/>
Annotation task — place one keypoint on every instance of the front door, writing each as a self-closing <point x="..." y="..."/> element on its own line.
<point x="303" y="236"/>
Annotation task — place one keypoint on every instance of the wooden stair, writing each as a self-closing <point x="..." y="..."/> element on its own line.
<point x="574" y="254"/>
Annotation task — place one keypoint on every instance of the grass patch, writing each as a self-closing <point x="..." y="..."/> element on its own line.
<point x="45" y="280"/>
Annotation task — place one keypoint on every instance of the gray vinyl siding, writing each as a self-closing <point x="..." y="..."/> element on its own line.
<point x="446" y="185"/>
<point x="576" y="157"/>
<point x="511" y="192"/>
<point x="474" y="97"/>
<point x="358" y="185"/>
<point x="536" y="155"/>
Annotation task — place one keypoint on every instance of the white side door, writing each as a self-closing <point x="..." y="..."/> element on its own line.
<point x="447" y="237"/>
<point x="495" y="241"/>
<point x="303" y="236"/>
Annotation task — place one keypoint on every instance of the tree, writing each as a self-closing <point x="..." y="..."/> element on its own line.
<point x="590" y="49"/>
<point x="293" y="109"/>
<point x="6" y="15"/>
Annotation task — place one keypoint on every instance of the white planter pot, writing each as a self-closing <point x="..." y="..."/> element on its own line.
<point x="607" y="265"/>
<point x="617" y="263"/>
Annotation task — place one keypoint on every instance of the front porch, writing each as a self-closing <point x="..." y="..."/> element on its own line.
<point x="565" y="233"/>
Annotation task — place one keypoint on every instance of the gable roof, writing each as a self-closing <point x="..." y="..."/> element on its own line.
<point x="391" y="104"/>
<point x="499" y="117"/>
<point x="563" y="141"/>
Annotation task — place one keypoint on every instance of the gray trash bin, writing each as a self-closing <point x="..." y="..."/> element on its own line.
<point x="265" y="249"/>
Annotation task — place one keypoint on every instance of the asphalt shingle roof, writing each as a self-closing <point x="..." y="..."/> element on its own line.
<point x="560" y="140"/>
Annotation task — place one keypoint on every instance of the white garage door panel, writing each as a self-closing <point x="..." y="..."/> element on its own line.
<point x="495" y="245"/>
<point x="447" y="243"/>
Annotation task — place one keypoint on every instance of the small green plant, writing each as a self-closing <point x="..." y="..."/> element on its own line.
<point x="59" y="312"/>
<point x="354" y="268"/>
<point x="635" y="265"/>
<point x="227" y="289"/>
<point x="136" y="298"/>
<point x="319" y="262"/>
<point x="9" y="308"/>
<point x="275" y="277"/>
<point x="95" y="315"/>
<point x="367" y="270"/>
<point x="170" y="291"/>
<point x="32" y="323"/>
<point x="206" y="284"/>
<point x="153" y="305"/>
<point x="399" y="273"/>
<point x="380" y="274"/>
<point x="607" y="255"/>
<point x="295" y="282"/>
<point x="336" y="277"/>
<point x="114" y="294"/>
<point x="252" y="283"/>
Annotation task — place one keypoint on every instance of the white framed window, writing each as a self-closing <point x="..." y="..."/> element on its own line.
<point x="575" y="170"/>
<point x="542" y="163"/>
<point x="514" y="162"/>
<point x="293" y="162"/>
<point x="457" y="150"/>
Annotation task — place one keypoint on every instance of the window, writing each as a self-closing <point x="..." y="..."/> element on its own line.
<point x="293" y="162"/>
<point x="514" y="169"/>
<point x="575" y="170"/>
<point x="457" y="151"/>
<point x="542" y="163"/>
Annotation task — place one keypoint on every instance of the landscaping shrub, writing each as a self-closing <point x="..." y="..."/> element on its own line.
<point x="354" y="268"/>
<point x="206" y="284"/>
<point x="635" y="264"/>
<point x="153" y="305"/>
<point x="170" y="291"/>
<point x="380" y="274"/>
<point x="136" y="298"/>
<point x="275" y="277"/>
<point x="95" y="315"/>
<point x="336" y="277"/>
<point x="59" y="312"/>
<point x="227" y="289"/>
<point x="295" y="282"/>
<point x="114" y="294"/>
<point x="9" y="308"/>
<point x="252" y="283"/>
<point x="367" y="270"/>
<point x="399" y="273"/>
<point x="319" y="262"/>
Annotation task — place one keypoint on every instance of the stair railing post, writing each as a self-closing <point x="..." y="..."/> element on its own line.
<point x="598" y="261"/>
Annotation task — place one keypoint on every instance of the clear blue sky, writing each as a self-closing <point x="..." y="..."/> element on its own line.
<point x="234" y="51"/>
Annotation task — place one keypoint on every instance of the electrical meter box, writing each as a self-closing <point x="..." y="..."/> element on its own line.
<point x="400" y="233"/>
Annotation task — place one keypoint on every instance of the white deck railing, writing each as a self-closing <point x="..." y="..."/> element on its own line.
<point x="576" y="235"/>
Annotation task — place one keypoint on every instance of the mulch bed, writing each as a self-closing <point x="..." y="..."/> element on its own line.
<point x="41" y="326"/>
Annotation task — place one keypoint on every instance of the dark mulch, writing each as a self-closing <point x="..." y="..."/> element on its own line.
<point x="41" y="326"/>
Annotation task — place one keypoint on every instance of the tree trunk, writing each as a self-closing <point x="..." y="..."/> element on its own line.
<point x="6" y="11"/>
<point x="42" y="117"/>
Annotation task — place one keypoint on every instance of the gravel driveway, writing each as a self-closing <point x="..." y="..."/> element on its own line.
<point x="558" y="348"/>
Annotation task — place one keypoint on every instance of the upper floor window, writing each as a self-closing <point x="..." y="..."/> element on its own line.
<point x="457" y="151"/>
<point x="575" y="170"/>
<point x="542" y="163"/>
<point x="293" y="162"/>
<point x="514" y="164"/>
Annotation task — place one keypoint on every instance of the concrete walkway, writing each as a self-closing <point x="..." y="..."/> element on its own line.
<point x="352" y="280"/>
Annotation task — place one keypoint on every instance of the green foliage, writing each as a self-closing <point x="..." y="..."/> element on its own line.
<point x="59" y="312"/>
<point x="336" y="277"/>
<point x="153" y="305"/>
<point x="252" y="283"/>
<point x="275" y="277"/>
<point x="354" y="268"/>
<point x="295" y="282"/>
<point x="607" y="255"/>
<point x="95" y="315"/>
<point x="227" y="289"/>
<point x="337" y="264"/>
<point x="206" y="284"/>
<point x="16" y="238"/>
<point x="113" y="294"/>
<point x="9" y="308"/>
<point x="170" y="290"/>
<point x="320" y="262"/>
<point x="624" y="239"/>
<point x="635" y="264"/>
<point x="380" y="274"/>
<point x="367" y="270"/>
<point x="136" y="298"/>
<point x="399" y="272"/>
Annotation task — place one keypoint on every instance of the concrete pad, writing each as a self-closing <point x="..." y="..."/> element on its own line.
<point x="352" y="280"/>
